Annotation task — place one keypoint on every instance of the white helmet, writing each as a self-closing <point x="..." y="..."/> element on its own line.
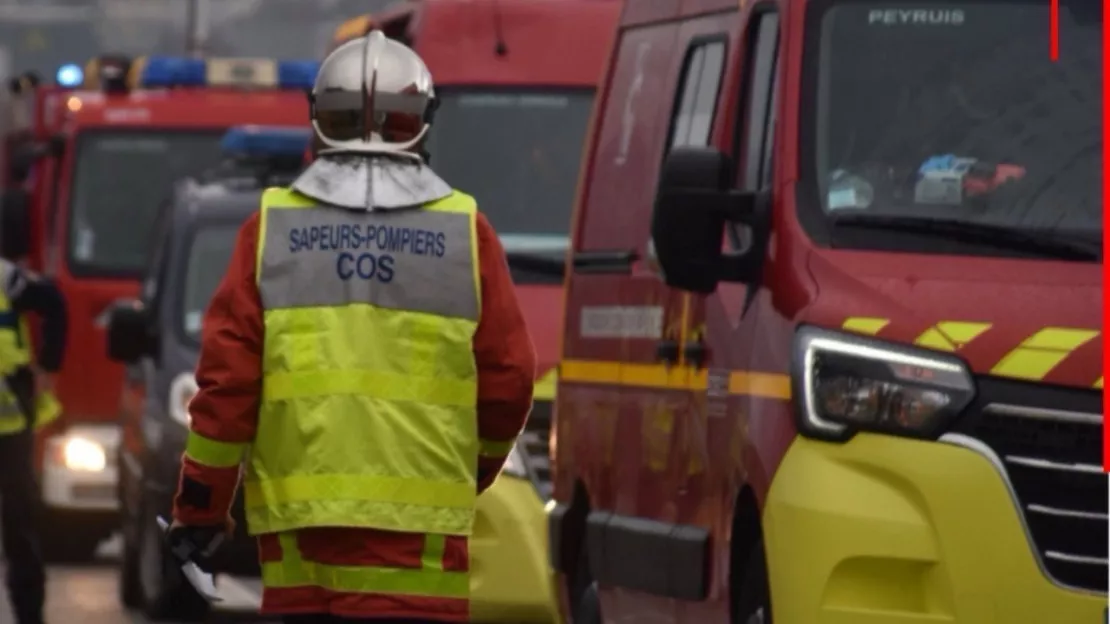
<point x="373" y="95"/>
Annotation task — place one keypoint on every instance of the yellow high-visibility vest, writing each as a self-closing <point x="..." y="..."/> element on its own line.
<point x="15" y="353"/>
<point x="368" y="415"/>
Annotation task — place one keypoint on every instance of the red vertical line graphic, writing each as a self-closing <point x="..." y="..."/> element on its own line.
<point x="1105" y="240"/>
<point x="1054" y="30"/>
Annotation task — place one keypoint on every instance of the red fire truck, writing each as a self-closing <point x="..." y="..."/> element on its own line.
<point x="107" y="157"/>
<point x="850" y="369"/>
<point x="516" y="84"/>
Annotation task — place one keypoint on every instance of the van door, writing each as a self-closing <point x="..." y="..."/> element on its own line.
<point x="645" y="549"/>
<point x="600" y="319"/>
<point x="732" y="324"/>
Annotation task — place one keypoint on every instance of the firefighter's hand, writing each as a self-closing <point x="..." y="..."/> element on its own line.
<point x="198" y="543"/>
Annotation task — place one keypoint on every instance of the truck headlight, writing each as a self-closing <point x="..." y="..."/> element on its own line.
<point x="83" y="455"/>
<point x="182" y="390"/>
<point x="845" y="383"/>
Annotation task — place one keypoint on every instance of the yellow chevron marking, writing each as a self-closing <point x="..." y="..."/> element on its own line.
<point x="865" y="324"/>
<point x="1098" y="384"/>
<point x="950" y="335"/>
<point x="545" y="385"/>
<point x="1041" y="352"/>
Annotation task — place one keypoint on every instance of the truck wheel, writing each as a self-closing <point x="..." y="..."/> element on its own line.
<point x="130" y="576"/>
<point x="585" y="601"/>
<point x="165" y="593"/>
<point x="753" y="603"/>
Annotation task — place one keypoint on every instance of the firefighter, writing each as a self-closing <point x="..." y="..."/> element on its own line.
<point x="27" y="403"/>
<point x="366" y="355"/>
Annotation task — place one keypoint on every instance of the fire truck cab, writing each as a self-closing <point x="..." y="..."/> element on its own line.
<point x="832" y="345"/>
<point x="110" y="153"/>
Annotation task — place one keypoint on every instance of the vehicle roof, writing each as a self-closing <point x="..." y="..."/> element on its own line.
<point x="639" y="12"/>
<point x="188" y="108"/>
<point x="224" y="200"/>
<point x="557" y="43"/>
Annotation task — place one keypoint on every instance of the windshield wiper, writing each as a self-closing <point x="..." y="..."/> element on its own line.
<point x="1040" y="242"/>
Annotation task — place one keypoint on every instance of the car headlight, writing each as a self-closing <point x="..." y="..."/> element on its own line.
<point x="846" y="383"/>
<point x="84" y="455"/>
<point x="182" y="390"/>
<point x="514" y="464"/>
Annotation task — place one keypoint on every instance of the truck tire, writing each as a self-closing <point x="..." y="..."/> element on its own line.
<point x="165" y="594"/>
<point x="584" y="598"/>
<point x="130" y="575"/>
<point x="753" y="602"/>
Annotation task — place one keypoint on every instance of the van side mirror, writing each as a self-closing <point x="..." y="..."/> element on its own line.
<point x="15" y="224"/>
<point x="130" y="335"/>
<point x="694" y="203"/>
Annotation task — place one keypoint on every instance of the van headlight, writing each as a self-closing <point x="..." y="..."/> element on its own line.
<point x="845" y="383"/>
<point x="84" y="455"/>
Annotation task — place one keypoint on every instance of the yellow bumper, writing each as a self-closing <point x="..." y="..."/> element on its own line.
<point x="884" y="530"/>
<point x="511" y="577"/>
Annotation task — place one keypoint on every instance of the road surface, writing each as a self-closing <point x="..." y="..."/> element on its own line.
<point x="88" y="595"/>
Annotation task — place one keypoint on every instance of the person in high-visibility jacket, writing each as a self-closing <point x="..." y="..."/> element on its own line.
<point x="27" y="403"/>
<point x="366" y="356"/>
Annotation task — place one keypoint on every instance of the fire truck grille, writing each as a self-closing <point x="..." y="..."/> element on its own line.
<point x="1049" y="442"/>
<point x="533" y="447"/>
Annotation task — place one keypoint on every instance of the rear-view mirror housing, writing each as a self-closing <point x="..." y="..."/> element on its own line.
<point x="694" y="203"/>
<point x="130" y="332"/>
<point x="15" y="224"/>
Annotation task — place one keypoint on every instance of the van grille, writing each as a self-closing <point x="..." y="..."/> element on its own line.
<point x="534" y="447"/>
<point x="1049" y="441"/>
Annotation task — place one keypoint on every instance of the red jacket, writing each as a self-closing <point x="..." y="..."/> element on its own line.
<point x="229" y="376"/>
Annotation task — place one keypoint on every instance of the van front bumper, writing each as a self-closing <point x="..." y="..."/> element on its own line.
<point x="510" y="578"/>
<point x="886" y="530"/>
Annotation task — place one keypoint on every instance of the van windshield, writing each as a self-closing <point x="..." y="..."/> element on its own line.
<point x="517" y="153"/>
<point x="957" y="113"/>
<point x="120" y="180"/>
<point x="208" y="256"/>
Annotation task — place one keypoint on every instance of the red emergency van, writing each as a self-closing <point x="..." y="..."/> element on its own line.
<point x="516" y="84"/>
<point x="849" y="369"/>
<point x="110" y="152"/>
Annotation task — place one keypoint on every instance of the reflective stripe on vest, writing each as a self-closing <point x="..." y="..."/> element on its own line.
<point x="429" y="580"/>
<point x="368" y="415"/>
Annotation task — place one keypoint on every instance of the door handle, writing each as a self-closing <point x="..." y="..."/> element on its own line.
<point x="695" y="353"/>
<point x="667" y="351"/>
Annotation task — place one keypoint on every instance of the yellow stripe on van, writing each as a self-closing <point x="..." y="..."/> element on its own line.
<point x="950" y="335"/>
<point x="865" y="324"/>
<point x="1041" y="352"/>
<point x="1098" y="384"/>
<point x="660" y="376"/>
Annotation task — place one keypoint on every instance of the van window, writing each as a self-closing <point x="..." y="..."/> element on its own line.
<point x="701" y="82"/>
<point x="760" y="89"/>
<point x="955" y="114"/>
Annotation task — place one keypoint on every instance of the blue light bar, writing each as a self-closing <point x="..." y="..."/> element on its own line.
<point x="70" y="76"/>
<point x="166" y="71"/>
<point x="266" y="141"/>
<point x="297" y="74"/>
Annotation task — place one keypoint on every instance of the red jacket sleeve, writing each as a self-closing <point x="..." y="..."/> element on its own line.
<point x="505" y="356"/>
<point x="224" y="412"/>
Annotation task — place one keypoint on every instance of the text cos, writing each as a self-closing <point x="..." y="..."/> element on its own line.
<point x="364" y="266"/>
